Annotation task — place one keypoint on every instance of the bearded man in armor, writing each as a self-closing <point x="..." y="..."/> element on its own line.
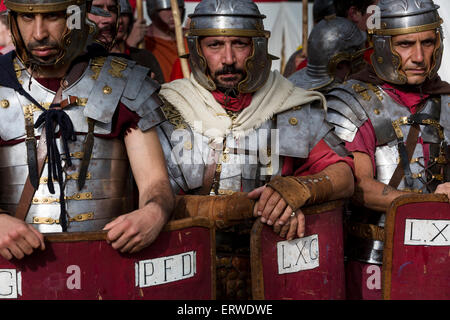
<point x="395" y="118"/>
<point x="335" y="51"/>
<point x="235" y="125"/>
<point x="92" y="119"/>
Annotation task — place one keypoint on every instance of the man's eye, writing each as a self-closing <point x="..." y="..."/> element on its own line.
<point x="241" y="44"/>
<point x="404" y="44"/>
<point x="26" y="16"/>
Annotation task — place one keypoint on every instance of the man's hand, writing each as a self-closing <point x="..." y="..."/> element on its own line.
<point x="18" y="238"/>
<point x="274" y="211"/>
<point x="444" y="189"/>
<point x="137" y="33"/>
<point x="136" y="230"/>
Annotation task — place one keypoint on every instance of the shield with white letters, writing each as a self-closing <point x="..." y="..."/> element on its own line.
<point x="305" y="268"/>
<point x="416" y="258"/>
<point x="180" y="264"/>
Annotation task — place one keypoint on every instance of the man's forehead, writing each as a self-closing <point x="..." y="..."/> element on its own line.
<point x="430" y="34"/>
<point x="226" y="38"/>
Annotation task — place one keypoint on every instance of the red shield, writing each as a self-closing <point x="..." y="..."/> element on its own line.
<point x="416" y="259"/>
<point x="308" y="268"/>
<point x="180" y="264"/>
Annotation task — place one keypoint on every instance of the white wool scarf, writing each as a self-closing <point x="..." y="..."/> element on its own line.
<point x="206" y="116"/>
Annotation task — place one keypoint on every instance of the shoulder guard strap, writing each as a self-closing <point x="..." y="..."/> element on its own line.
<point x="371" y="100"/>
<point x="183" y="150"/>
<point x="445" y="117"/>
<point x="110" y="74"/>
<point x="300" y="124"/>
<point x="146" y="102"/>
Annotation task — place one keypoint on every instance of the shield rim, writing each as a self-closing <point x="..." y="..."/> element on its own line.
<point x="389" y="230"/>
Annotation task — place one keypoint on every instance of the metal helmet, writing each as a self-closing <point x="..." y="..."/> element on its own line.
<point x="78" y="28"/>
<point x="400" y="17"/>
<point x="239" y="18"/>
<point x="125" y="7"/>
<point x="331" y="41"/>
<point x="154" y="6"/>
<point x="323" y="8"/>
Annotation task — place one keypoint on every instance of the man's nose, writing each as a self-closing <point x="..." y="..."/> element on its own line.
<point x="40" y="30"/>
<point x="417" y="56"/>
<point x="229" y="57"/>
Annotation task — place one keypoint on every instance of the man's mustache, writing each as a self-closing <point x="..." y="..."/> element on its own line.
<point x="44" y="43"/>
<point x="229" y="69"/>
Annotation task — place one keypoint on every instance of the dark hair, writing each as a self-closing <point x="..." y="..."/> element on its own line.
<point x="342" y="6"/>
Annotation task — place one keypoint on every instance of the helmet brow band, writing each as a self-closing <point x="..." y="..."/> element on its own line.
<point x="399" y="31"/>
<point x="228" y="32"/>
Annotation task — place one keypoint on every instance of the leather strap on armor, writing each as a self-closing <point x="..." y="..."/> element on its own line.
<point x="224" y="210"/>
<point x="88" y="145"/>
<point x="411" y="142"/>
<point x="29" y="189"/>
<point x="300" y="191"/>
<point x="365" y="230"/>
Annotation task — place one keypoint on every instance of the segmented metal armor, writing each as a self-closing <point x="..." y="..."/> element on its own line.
<point x="239" y="160"/>
<point x="354" y="102"/>
<point x="95" y="96"/>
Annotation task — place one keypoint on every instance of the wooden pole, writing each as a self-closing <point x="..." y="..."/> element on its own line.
<point x="140" y="15"/>
<point x="305" y="27"/>
<point x="179" y="37"/>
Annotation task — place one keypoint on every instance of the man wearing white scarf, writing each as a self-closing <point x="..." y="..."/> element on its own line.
<point x="237" y="126"/>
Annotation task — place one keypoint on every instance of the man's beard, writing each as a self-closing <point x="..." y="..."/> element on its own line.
<point x="48" y="60"/>
<point x="107" y="35"/>
<point x="232" y="90"/>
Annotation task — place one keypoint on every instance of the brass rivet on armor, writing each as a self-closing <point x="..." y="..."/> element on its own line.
<point x="293" y="121"/>
<point x="188" y="145"/>
<point x="225" y="157"/>
<point x="107" y="90"/>
<point x="376" y="111"/>
<point x="380" y="60"/>
<point x="4" y="103"/>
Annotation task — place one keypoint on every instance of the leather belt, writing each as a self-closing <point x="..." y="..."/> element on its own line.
<point x="365" y="231"/>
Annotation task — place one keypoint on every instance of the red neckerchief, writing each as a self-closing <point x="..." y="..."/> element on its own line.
<point x="127" y="49"/>
<point x="50" y="83"/>
<point x="242" y="101"/>
<point x="411" y="100"/>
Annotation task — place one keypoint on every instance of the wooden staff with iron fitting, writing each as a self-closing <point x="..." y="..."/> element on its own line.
<point x="305" y="26"/>
<point x="140" y="16"/>
<point x="179" y="37"/>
